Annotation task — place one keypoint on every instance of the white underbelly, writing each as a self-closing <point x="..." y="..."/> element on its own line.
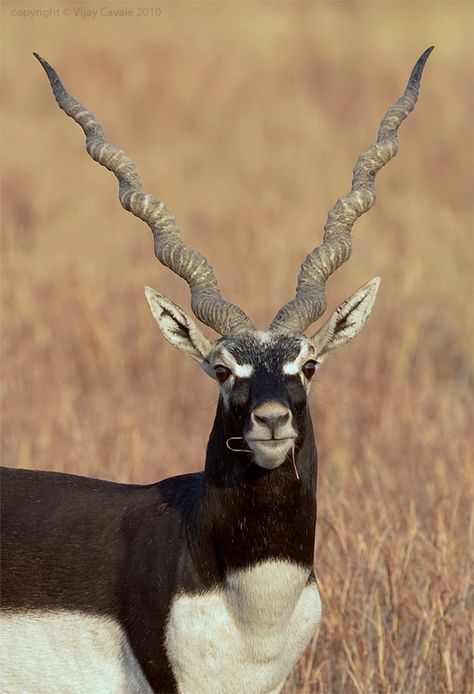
<point x="246" y="636"/>
<point x="66" y="653"/>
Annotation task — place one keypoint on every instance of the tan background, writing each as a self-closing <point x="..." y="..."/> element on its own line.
<point x="247" y="119"/>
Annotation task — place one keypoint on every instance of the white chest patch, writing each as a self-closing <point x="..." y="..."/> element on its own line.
<point x="73" y="652"/>
<point x="246" y="636"/>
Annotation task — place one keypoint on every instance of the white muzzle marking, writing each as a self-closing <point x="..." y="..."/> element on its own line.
<point x="271" y="434"/>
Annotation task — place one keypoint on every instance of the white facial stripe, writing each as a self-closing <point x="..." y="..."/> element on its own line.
<point x="294" y="367"/>
<point x="239" y="370"/>
<point x="243" y="370"/>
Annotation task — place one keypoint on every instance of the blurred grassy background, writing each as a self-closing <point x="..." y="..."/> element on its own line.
<point x="247" y="119"/>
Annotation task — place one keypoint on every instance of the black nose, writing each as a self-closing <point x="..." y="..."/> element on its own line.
<point x="271" y="414"/>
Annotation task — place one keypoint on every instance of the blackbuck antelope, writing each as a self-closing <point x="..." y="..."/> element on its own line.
<point x="204" y="582"/>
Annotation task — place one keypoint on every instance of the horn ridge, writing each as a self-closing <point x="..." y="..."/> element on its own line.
<point x="310" y="300"/>
<point x="206" y="301"/>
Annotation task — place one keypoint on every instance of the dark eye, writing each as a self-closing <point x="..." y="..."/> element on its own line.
<point x="222" y="373"/>
<point x="308" y="369"/>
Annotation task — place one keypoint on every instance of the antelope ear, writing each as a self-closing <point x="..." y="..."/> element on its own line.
<point x="346" y="321"/>
<point x="177" y="327"/>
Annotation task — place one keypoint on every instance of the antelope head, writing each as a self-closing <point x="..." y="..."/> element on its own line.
<point x="264" y="376"/>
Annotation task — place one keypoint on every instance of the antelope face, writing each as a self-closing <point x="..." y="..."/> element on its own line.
<point x="264" y="377"/>
<point x="264" y="381"/>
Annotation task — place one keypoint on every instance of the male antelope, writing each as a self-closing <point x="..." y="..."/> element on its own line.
<point x="204" y="582"/>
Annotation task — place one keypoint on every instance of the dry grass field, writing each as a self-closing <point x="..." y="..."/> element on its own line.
<point x="247" y="119"/>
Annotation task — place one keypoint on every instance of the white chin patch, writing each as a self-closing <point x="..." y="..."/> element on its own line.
<point x="270" y="454"/>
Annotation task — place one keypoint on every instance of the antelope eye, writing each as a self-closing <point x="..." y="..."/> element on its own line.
<point x="308" y="369"/>
<point x="222" y="373"/>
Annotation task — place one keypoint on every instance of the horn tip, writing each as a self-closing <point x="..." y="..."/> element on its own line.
<point x="49" y="69"/>
<point x="426" y="54"/>
<point x="420" y="64"/>
<point x="40" y="59"/>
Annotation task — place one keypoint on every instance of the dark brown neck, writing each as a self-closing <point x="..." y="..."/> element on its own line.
<point x="255" y="514"/>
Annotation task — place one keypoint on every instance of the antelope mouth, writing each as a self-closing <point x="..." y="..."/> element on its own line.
<point x="271" y="453"/>
<point x="286" y="438"/>
<point x="271" y="444"/>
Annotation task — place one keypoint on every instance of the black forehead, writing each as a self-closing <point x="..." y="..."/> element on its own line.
<point x="271" y="352"/>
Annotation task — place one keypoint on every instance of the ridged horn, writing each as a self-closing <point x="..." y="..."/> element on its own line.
<point x="206" y="301"/>
<point x="310" y="300"/>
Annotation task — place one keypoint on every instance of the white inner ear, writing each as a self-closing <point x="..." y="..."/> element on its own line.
<point x="346" y="321"/>
<point x="177" y="327"/>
